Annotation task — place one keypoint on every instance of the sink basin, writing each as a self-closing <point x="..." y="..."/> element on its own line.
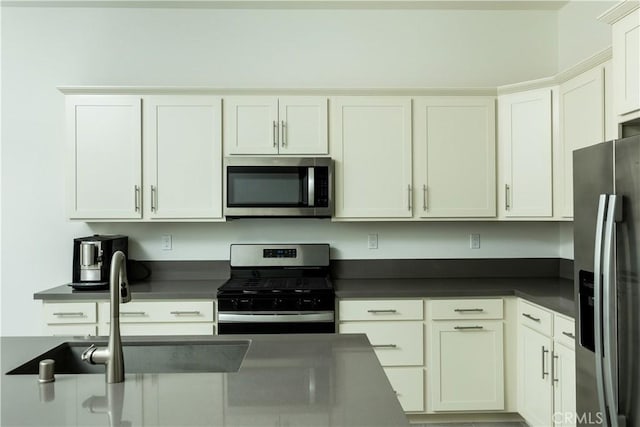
<point x="147" y="357"/>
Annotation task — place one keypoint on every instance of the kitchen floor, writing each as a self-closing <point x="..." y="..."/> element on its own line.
<point x="497" y="424"/>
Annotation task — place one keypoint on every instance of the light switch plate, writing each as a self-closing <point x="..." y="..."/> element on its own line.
<point x="474" y="241"/>
<point x="167" y="243"/>
<point x="372" y="242"/>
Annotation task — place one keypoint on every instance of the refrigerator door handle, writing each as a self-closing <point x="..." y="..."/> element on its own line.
<point x="609" y="318"/>
<point x="597" y="296"/>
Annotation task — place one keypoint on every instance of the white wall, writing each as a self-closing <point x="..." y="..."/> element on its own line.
<point x="580" y="34"/>
<point x="46" y="47"/>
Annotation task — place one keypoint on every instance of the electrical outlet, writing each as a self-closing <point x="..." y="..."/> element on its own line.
<point x="372" y="242"/>
<point x="474" y="241"/>
<point x="167" y="243"/>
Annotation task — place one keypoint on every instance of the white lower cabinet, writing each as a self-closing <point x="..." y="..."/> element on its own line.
<point x="161" y="318"/>
<point x="546" y="367"/>
<point x="395" y="329"/>
<point x="70" y="318"/>
<point x="408" y="383"/>
<point x="154" y="317"/>
<point x="456" y="382"/>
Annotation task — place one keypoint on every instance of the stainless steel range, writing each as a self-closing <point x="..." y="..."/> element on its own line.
<point x="277" y="289"/>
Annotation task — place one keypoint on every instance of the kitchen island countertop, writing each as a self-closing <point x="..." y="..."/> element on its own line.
<point x="320" y="379"/>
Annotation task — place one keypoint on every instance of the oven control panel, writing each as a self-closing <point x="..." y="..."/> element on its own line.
<point x="279" y="253"/>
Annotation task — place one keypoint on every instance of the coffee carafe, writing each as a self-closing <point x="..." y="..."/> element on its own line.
<point x="92" y="259"/>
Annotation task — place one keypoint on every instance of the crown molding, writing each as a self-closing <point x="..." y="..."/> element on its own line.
<point x="299" y="4"/>
<point x="208" y="90"/>
<point x="563" y="76"/>
<point x="619" y="11"/>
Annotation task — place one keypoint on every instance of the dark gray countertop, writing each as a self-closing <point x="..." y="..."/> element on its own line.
<point x="148" y="290"/>
<point x="553" y="293"/>
<point x="320" y="380"/>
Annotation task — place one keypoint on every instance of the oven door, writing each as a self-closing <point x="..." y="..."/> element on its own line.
<point x="277" y="187"/>
<point x="275" y="322"/>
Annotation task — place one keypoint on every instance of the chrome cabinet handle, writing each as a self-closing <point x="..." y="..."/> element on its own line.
<point x="424" y="197"/>
<point x="554" y="368"/>
<point x="528" y="316"/>
<point x="468" y="328"/>
<point x="154" y="198"/>
<point x="70" y="314"/>
<point x="507" y="206"/>
<point x="409" y="193"/>
<point x="384" y="346"/>
<point x="283" y="132"/>
<point x="569" y="334"/>
<point x="468" y="310"/>
<point x="275" y="133"/>
<point x="186" y="313"/>
<point x="136" y="197"/>
<point x="133" y="313"/>
<point x="382" y="311"/>
<point x="544" y="351"/>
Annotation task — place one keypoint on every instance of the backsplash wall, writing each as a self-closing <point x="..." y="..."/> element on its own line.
<point x="210" y="241"/>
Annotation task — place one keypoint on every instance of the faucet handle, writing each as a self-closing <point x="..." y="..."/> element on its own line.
<point x="86" y="355"/>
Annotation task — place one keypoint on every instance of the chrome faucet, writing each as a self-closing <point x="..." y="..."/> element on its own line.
<point x="111" y="356"/>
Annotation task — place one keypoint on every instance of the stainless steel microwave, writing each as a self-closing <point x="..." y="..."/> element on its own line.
<point x="278" y="187"/>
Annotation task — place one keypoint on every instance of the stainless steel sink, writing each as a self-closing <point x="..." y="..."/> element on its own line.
<point x="147" y="357"/>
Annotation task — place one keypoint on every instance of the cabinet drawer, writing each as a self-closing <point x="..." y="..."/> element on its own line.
<point x="395" y="343"/>
<point x="455" y="309"/>
<point x="70" y="312"/>
<point x="535" y="317"/>
<point x="564" y="330"/>
<point x="380" y="310"/>
<point x="150" y="328"/>
<point x="78" y="330"/>
<point x="408" y="383"/>
<point x="161" y="311"/>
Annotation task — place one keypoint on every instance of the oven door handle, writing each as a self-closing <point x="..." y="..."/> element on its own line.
<point x="276" y="317"/>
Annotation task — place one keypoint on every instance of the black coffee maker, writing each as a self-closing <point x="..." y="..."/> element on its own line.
<point x="92" y="259"/>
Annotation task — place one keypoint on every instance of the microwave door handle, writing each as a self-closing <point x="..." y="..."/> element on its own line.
<point x="311" y="186"/>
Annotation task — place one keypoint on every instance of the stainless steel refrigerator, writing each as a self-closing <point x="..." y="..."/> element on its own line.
<point x="606" y="242"/>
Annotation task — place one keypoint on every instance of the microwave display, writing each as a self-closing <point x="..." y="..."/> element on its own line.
<point x="278" y="187"/>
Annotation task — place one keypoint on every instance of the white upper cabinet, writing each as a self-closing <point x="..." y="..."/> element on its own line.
<point x="525" y="181"/>
<point x="582" y="123"/>
<point x="267" y="125"/>
<point x="371" y="148"/>
<point x="104" y="141"/>
<point x="626" y="64"/>
<point x="183" y="156"/>
<point x="454" y="157"/>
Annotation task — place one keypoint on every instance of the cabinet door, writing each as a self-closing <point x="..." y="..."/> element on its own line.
<point x="581" y="123"/>
<point x="104" y="140"/>
<point x="535" y="400"/>
<point x="371" y="148"/>
<point x="183" y="157"/>
<point x="303" y="125"/>
<point x="564" y="386"/>
<point x="458" y="382"/>
<point x="408" y="383"/>
<point x="251" y="125"/>
<point x="525" y="153"/>
<point x="626" y="63"/>
<point x="455" y="157"/>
